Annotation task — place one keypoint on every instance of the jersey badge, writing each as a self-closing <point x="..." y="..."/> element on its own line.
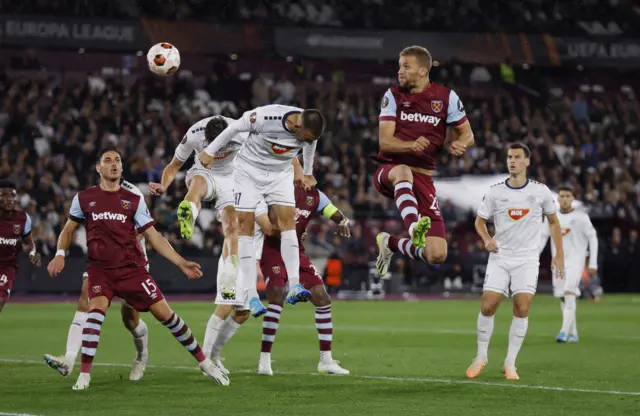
<point x="125" y="204"/>
<point x="436" y="106"/>
<point x="516" y="214"/>
<point x="276" y="269"/>
<point x="308" y="200"/>
<point x="385" y="102"/>
<point x="253" y="117"/>
<point x="17" y="228"/>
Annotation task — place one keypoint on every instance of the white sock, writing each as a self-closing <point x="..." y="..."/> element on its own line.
<point x="568" y="313"/>
<point x="574" y="326"/>
<point x="248" y="273"/>
<point x="194" y="210"/>
<point x="74" y="338"/>
<point x="210" y="334"/>
<point x="141" y="341"/>
<point x="517" y="333"/>
<point x="290" y="252"/>
<point x="485" y="329"/>
<point x="228" y="328"/>
<point x="265" y="357"/>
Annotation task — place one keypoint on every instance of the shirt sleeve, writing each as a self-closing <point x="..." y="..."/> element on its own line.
<point x="308" y="156"/>
<point x="250" y="122"/>
<point x="185" y="148"/>
<point x="27" y="226"/>
<point x="548" y="202"/>
<point x="324" y="201"/>
<point x="75" y="212"/>
<point x="592" y="236"/>
<point x="544" y="235"/>
<point x="455" y="112"/>
<point x="142" y="217"/>
<point x="486" y="207"/>
<point x="388" y="107"/>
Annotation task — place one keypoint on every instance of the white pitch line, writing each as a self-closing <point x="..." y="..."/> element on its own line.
<point x="16" y="414"/>
<point x="382" y="378"/>
<point x="419" y="330"/>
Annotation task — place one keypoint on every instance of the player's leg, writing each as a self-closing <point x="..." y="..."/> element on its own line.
<point x="495" y="288"/>
<point x="324" y="325"/>
<point x="98" y="306"/>
<point x="140" y="333"/>
<point x="199" y="187"/>
<point x="569" y="286"/>
<point x="64" y="363"/>
<point x="227" y="330"/>
<point x="230" y="264"/>
<point x="180" y="330"/>
<point x="276" y="296"/>
<point x="524" y="281"/>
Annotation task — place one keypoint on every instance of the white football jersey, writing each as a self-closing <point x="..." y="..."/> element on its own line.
<point x="134" y="189"/>
<point x="517" y="214"/>
<point x="578" y="236"/>
<point x="194" y="140"/>
<point x="270" y="145"/>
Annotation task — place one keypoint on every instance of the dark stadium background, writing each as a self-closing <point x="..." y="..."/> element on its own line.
<point x="558" y="75"/>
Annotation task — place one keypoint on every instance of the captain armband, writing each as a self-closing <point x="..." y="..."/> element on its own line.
<point x="329" y="210"/>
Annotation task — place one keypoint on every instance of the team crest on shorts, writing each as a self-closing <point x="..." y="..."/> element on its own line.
<point x="308" y="200"/>
<point x="436" y="106"/>
<point x="276" y="269"/>
<point x="17" y="228"/>
<point x="97" y="289"/>
<point x="253" y="117"/>
<point x="516" y="214"/>
<point x="125" y="204"/>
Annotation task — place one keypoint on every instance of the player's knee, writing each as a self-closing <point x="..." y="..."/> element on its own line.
<point x="197" y="187"/>
<point x="436" y="255"/>
<point x="245" y="223"/>
<point x="320" y="297"/>
<point x="130" y="317"/>
<point x="488" y="308"/>
<point x="401" y="173"/>
<point x="520" y="309"/>
<point x="230" y="229"/>
<point x="276" y="296"/>
<point x="240" y="317"/>
<point x="83" y="304"/>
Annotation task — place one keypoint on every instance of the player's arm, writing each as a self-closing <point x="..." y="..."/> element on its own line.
<point x="485" y="211"/>
<point x="545" y="234"/>
<point x="332" y="212"/>
<point x="28" y="245"/>
<point x="592" y="236"/>
<point x="249" y="122"/>
<point x="459" y="126"/>
<point x="76" y="217"/>
<point x="182" y="153"/>
<point x="387" y="128"/>
<point x="170" y="171"/>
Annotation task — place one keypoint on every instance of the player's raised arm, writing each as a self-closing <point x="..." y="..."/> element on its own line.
<point x="145" y="225"/>
<point x="28" y="245"/>
<point x="168" y="175"/>
<point x="461" y="133"/>
<point x="387" y="129"/>
<point x="332" y="212"/>
<point x="592" y="236"/>
<point x="76" y="217"/>
<point x="484" y="213"/>
<point x="248" y="123"/>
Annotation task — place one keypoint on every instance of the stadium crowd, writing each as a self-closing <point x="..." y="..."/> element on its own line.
<point x="51" y="132"/>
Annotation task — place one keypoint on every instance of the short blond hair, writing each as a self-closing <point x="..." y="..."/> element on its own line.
<point x="422" y="55"/>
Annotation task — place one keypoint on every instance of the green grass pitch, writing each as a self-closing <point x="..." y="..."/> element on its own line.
<point x="405" y="358"/>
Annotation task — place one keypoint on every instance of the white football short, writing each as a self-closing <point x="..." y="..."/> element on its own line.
<point x="253" y="185"/>
<point x="571" y="281"/>
<point x="518" y="275"/>
<point x="241" y="302"/>
<point x="219" y="187"/>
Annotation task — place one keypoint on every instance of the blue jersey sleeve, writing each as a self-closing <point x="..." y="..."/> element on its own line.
<point x="143" y="218"/>
<point x="75" y="212"/>
<point x="324" y="201"/>
<point x="27" y="226"/>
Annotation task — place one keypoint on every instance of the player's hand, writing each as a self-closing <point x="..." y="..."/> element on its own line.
<point x="191" y="269"/>
<point x="205" y="159"/>
<point x="557" y="264"/>
<point x="593" y="272"/>
<point x="491" y="245"/>
<point x="343" y="228"/>
<point x="156" y="189"/>
<point x="55" y="266"/>
<point x="307" y="182"/>
<point x="35" y="259"/>
<point x="303" y="236"/>
<point x="420" y="145"/>
<point x="457" y="148"/>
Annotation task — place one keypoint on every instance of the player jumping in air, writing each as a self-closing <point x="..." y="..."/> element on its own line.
<point x="578" y="235"/>
<point x="116" y="264"/>
<point x="263" y="170"/>
<point x="15" y="235"/>
<point x="517" y="207"/>
<point x="416" y="117"/>
<point x="308" y="203"/>
<point x="130" y="318"/>
<point x="214" y="183"/>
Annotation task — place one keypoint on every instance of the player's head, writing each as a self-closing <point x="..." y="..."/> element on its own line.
<point x="109" y="164"/>
<point x="565" y="197"/>
<point x="311" y="126"/>
<point x="518" y="158"/>
<point x="415" y="63"/>
<point x="214" y="127"/>
<point x="8" y="196"/>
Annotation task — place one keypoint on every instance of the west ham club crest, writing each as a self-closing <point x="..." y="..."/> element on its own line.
<point x="276" y="269"/>
<point x="125" y="204"/>
<point x="436" y="106"/>
<point x="308" y="200"/>
<point x="17" y="228"/>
